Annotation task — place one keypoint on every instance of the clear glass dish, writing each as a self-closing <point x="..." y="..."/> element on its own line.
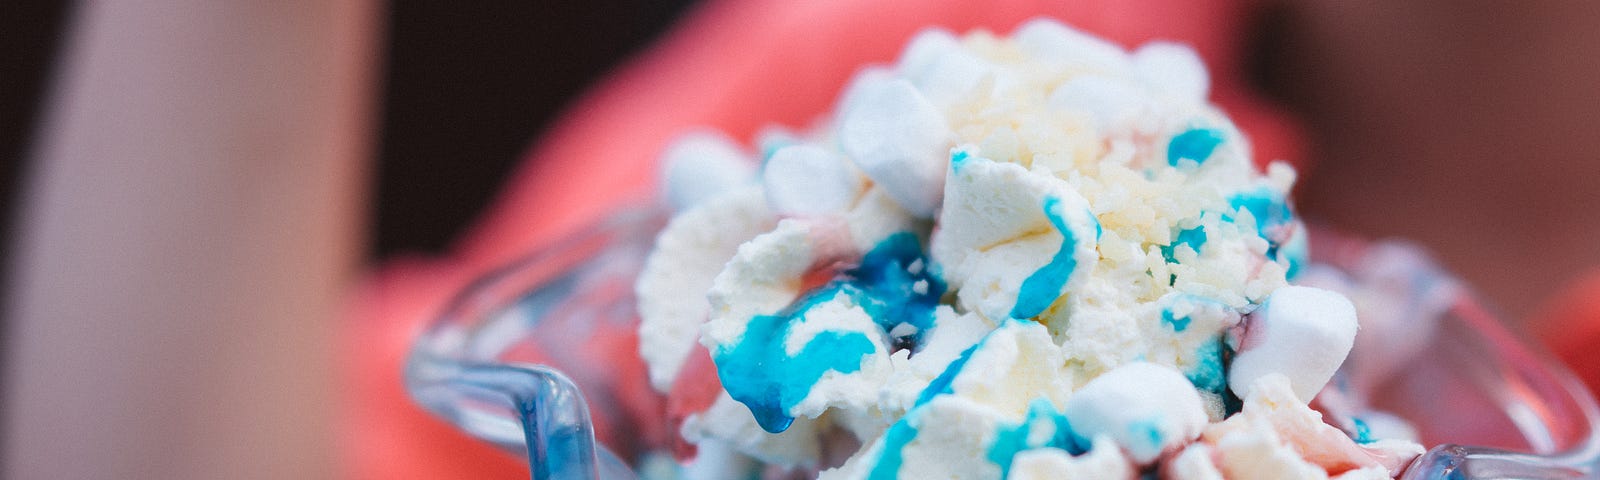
<point x="521" y="359"/>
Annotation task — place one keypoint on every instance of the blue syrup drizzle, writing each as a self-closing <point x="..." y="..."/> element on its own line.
<point x="1296" y="253"/>
<point x="1271" y="211"/>
<point x="1363" y="433"/>
<point x="1178" y="324"/>
<point x="1042" y="287"/>
<point x="884" y="286"/>
<point x="941" y="384"/>
<point x="905" y="430"/>
<point x="1194" y="144"/>
<point x="759" y="373"/>
<point x="1208" y="373"/>
<point x="959" y="158"/>
<point x="894" y="445"/>
<point x="1193" y="237"/>
<point x="1012" y="439"/>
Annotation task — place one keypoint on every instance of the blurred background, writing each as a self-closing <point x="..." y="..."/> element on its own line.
<point x="191" y="190"/>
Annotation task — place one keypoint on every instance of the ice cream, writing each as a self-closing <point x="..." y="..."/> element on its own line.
<point x="1000" y="257"/>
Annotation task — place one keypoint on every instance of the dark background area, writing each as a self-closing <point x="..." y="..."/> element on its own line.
<point x="470" y="85"/>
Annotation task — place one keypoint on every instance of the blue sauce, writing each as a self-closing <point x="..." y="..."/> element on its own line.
<point x="1363" y="433"/>
<point x="1193" y="237"/>
<point x="894" y="445"/>
<point x="1178" y="324"/>
<point x="1041" y="288"/>
<point x="903" y="431"/>
<point x="958" y="159"/>
<point x="1269" y="209"/>
<point x="1012" y="439"/>
<point x="1296" y="253"/>
<point x="1195" y="144"/>
<point x="1208" y="374"/>
<point x="760" y="374"/>
<point x="1271" y="212"/>
<point x="941" y="384"/>
<point x="884" y="286"/>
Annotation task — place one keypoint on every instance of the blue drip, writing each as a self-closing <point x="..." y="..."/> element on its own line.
<point x="1194" y="144"/>
<point x="1041" y="288"/>
<point x="887" y="289"/>
<point x="1271" y="212"/>
<point x="1193" y="237"/>
<point x="1011" y="440"/>
<point x="1178" y="324"/>
<point x="941" y="384"/>
<point x="894" y="445"/>
<point x="1208" y="374"/>
<point x="959" y="159"/>
<point x="1363" y="433"/>
<point x="758" y="373"/>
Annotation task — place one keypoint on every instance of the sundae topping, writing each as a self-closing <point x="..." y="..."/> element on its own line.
<point x="1031" y="257"/>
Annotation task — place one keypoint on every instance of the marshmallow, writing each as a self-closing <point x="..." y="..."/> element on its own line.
<point x="808" y="180"/>
<point x="1303" y="333"/>
<point x="952" y="76"/>
<point x="925" y="49"/>
<point x="995" y="202"/>
<point x="1172" y="69"/>
<point x="1052" y="41"/>
<point x="700" y="165"/>
<point x="1107" y="102"/>
<point x="899" y="139"/>
<point x="1146" y="408"/>
<point x="1194" y="463"/>
<point x="1274" y="423"/>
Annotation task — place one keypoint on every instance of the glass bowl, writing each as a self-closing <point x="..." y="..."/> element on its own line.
<point x="527" y="358"/>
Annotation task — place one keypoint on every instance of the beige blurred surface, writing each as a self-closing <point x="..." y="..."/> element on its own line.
<point x="191" y="220"/>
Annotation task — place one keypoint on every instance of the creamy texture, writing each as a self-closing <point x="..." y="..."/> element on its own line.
<point x="1003" y="257"/>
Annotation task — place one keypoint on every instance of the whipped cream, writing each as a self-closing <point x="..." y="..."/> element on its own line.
<point x="1001" y="257"/>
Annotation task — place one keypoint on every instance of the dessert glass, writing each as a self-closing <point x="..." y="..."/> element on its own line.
<point x="504" y="363"/>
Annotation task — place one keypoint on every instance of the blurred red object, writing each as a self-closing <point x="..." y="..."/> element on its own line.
<point x="731" y="65"/>
<point x="1569" y="324"/>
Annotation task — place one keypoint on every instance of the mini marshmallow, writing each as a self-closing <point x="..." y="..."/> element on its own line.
<point x="899" y="139"/>
<point x="952" y="76"/>
<point x="1052" y="41"/>
<point x="925" y="49"/>
<point x="1172" y="69"/>
<point x="700" y="165"/>
<point x="996" y="202"/>
<point x="1108" y="102"/>
<point x="808" y="180"/>
<point x="1144" y="407"/>
<point x="1303" y="333"/>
